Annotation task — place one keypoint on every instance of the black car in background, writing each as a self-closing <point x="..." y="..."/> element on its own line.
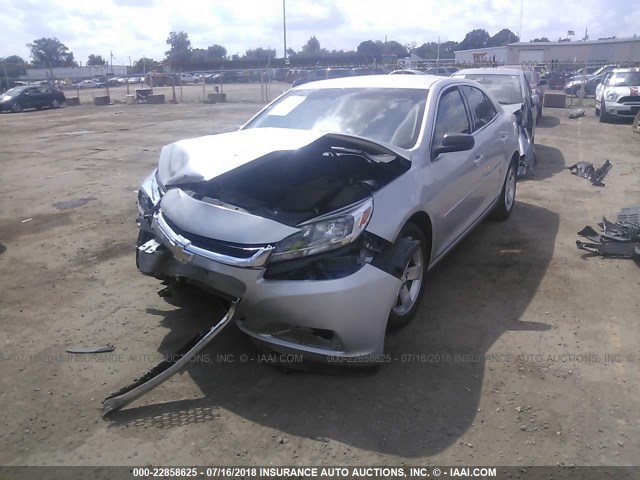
<point x="17" y="99"/>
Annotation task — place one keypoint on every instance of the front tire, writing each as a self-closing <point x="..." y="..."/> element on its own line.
<point x="16" y="108"/>
<point x="507" y="199"/>
<point x="604" y="116"/>
<point x="413" y="281"/>
<point x="55" y="103"/>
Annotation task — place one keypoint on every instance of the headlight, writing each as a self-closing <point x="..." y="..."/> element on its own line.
<point x="610" y="95"/>
<point x="6" y="98"/>
<point x="148" y="194"/>
<point x="325" y="234"/>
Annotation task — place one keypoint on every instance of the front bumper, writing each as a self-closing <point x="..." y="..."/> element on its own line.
<point x="622" y="110"/>
<point x="339" y="319"/>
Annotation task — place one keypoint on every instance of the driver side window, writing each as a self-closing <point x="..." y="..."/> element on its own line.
<point x="451" y="117"/>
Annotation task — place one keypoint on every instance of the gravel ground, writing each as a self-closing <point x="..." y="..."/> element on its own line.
<point x="542" y="314"/>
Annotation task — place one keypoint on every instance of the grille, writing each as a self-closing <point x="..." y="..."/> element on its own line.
<point x="635" y="99"/>
<point x="218" y="246"/>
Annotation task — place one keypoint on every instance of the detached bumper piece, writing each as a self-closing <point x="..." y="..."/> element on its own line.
<point x="166" y="369"/>
<point x="588" y="171"/>
<point x="620" y="239"/>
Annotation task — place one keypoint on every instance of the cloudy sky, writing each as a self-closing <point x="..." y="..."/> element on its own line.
<point x="132" y="28"/>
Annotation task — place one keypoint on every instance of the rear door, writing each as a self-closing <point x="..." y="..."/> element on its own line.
<point x="488" y="156"/>
<point x="453" y="174"/>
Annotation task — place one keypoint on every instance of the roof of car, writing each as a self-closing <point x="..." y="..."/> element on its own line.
<point x="489" y="71"/>
<point x="376" y="81"/>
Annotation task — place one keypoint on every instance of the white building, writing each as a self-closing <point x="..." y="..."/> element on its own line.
<point x="615" y="50"/>
<point x="71" y="73"/>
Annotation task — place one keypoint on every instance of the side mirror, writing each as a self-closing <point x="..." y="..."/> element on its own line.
<point x="543" y="81"/>
<point x="535" y="100"/>
<point x="455" y="142"/>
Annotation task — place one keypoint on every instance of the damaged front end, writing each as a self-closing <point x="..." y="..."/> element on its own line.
<point x="283" y="230"/>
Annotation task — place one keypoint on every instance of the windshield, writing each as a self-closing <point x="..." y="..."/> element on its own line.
<point x="384" y="114"/>
<point x="15" y="91"/>
<point x="506" y="88"/>
<point x="626" y="79"/>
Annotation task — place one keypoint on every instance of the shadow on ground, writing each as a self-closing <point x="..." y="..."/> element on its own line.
<point x="417" y="404"/>
<point x="550" y="161"/>
<point x="547" y="122"/>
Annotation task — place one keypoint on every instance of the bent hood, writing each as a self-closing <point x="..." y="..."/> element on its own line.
<point x="204" y="158"/>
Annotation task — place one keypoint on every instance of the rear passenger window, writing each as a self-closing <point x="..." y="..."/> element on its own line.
<point x="451" y="117"/>
<point x="481" y="107"/>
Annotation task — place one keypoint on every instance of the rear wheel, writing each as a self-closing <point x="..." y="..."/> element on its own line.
<point x="507" y="199"/>
<point x="412" y="287"/>
<point x="55" y="103"/>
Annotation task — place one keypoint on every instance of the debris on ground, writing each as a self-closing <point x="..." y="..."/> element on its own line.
<point x="620" y="239"/>
<point x="166" y="369"/>
<point x="577" y="113"/>
<point x="588" y="171"/>
<point x="101" y="349"/>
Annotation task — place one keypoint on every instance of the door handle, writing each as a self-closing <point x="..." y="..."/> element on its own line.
<point x="478" y="160"/>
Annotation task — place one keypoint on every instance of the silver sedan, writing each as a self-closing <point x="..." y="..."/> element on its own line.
<point x="322" y="215"/>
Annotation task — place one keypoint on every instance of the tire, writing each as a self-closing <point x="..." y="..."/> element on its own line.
<point x="604" y="116"/>
<point x="16" y="108"/>
<point x="407" y="303"/>
<point x="507" y="199"/>
<point x="55" y="103"/>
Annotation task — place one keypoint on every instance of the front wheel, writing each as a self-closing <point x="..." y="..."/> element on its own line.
<point x="412" y="287"/>
<point x="16" y="108"/>
<point x="507" y="199"/>
<point x="55" y="103"/>
<point x="604" y="116"/>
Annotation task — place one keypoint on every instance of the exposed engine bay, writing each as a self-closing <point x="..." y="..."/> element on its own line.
<point x="295" y="186"/>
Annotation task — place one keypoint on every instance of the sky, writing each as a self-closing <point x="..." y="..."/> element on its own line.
<point x="133" y="28"/>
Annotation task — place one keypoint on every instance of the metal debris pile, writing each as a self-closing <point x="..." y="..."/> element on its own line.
<point x="588" y="171"/>
<point x="620" y="239"/>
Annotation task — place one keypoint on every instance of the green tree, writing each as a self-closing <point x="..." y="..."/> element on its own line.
<point x="394" y="48"/>
<point x="370" y="50"/>
<point x="477" y="38"/>
<point x="541" y="39"/>
<point x="96" y="61"/>
<point x="51" y="52"/>
<point x="144" y="65"/>
<point x="13" y="65"/>
<point x="259" y="54"/>
<point x="180" y="51"/>
<point x="503" y="37"/>
<point x="216" y="52"/>
<point x="312" y="47"/>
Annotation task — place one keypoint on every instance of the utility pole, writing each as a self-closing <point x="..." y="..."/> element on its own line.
<point x="111" y="54"/>
<point x="284" y="29"/>
<point x="6" y="77"/>
<point x="438" y="57"/>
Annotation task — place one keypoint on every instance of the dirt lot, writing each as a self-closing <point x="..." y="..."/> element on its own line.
<point x="519" y="292"/>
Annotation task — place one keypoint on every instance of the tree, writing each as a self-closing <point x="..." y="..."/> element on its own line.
<point x="477" y="38"/>
<point x="541" y="39"/>
<point x="394" y="48"/>
<point x="96" y="61"/>
<point x="180" y="52"/>
<point x="13" y="65"/>
<point x="503" y="37"/>
<point x="370" y="50"/>
<point x="216" y="52"/>
<point x="259" y="54"/>
<point x="178" y="41"/>
<point x="144" y="65"/>
<point x="312" y="47"/>
<point x="51" y="52"/>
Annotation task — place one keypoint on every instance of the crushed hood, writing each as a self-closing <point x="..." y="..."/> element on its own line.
<point x="204" y="158"/>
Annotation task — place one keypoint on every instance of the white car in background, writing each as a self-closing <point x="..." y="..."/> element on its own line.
<point x="618" y="96"/>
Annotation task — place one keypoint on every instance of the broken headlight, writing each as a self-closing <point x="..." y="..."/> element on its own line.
<point x="148" y="194"/>
<point x="326" y="233"/>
